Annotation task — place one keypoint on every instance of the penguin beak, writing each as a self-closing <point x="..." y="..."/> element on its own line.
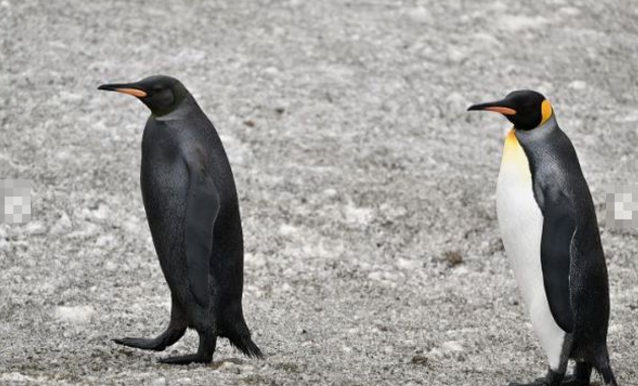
<point x="124" y="88"/>
<point x="498" y="107"/>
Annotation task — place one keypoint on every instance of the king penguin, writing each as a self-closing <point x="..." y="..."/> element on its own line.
<point x="550" y="233"/>
<point x="193" y="213"/>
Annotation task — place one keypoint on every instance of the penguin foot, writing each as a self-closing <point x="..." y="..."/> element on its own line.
<point x="574" y="381"/>
<point x="167" y="338"/>
<point x="186" y="359"/>
<point x="537" y="382"/>
<point x="141" y="343"/>
<point x="581" y="375"/>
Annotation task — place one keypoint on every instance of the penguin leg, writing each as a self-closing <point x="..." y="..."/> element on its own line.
<point x="207" y="344"/>
<point x="608" y="376"/>
<point x="581" y="376"/>
<point x="175" y="330"/>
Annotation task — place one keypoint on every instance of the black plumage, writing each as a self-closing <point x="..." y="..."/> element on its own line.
<point x="193" y="212"/>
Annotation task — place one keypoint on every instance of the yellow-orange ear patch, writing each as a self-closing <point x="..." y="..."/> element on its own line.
<point x="546" y="111"/>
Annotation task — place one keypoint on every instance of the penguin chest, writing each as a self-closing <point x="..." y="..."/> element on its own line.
<point x="521" y="224"/>
<point x="520" y="221"/>
<point x="164" y="173"/>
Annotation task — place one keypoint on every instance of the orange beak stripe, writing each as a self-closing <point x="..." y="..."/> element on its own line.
<point x="132" y="91"/>
<point x="502" y="110"/>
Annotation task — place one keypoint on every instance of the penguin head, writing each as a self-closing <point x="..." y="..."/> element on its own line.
<point x="526" y="109"/>
<point x="161" y="94"/>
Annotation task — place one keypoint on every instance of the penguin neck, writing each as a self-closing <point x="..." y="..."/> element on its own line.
<point x="185" y="107"/>
<point x="518" y="142"/>
<point x="540" y="133"/>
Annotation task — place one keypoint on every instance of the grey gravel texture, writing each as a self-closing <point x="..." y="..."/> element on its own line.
<point x="367" y="192"/>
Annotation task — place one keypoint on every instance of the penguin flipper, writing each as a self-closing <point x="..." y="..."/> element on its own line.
<point x="202" y="206"/>
<point x="559" y="226"/>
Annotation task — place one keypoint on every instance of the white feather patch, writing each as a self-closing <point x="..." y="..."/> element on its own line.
<point x="521" y="224"/>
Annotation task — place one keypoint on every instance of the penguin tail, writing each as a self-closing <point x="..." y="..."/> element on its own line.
<point x="246" y="345"/>
<point x="602" y="366"/>
<point x="233" y="326"/>
<point x="608" y="376"/>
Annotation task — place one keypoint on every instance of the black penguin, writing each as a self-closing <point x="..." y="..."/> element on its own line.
<point x="551" y="235"/>
<point x="193" y="213"/>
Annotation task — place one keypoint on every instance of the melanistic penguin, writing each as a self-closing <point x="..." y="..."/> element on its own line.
<point x="549" y="229"/>
<point x="193" y="213"/>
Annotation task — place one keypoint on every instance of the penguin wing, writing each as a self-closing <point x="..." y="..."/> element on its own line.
<point x="202" y="206"/>
<point x="559" y="226"/>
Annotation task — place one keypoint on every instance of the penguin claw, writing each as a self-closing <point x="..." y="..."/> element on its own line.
<point x="141" y="343"/>
<point x="185" y="359"/>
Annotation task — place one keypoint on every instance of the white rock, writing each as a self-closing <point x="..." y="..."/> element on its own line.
<point x="516" y="23"/>
<point x="161" y="381"/>
<point x="63" y="225"/>
<point x="226" y="365"/>
<point x="101" y="213"/>
<point x="105" y="240"/>
<point x="35" y="228"/>
<point x="407" y="264"/>
<point x="420" y="15"/>
<point x="330" y="192"/>
<point x="271" y="70"/>
<point x="358" y="215"/>
<point x="75" y="314"/>
<point x="434" y="353"/>
<point x="15" y="377"/>
<point x="615" y="328"/>
<point x="110" y="266"/>
<point x="577" y="85"/>
<point x="287" y="230"/>
<point x="131" y="225"/>
<point x="570" y="11"/>
<point x="455" y="54"/>
<point x="84" y="230"/>
<point x="452" y="346"/>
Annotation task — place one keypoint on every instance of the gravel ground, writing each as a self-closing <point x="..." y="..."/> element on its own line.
<point x="367" y="192"/>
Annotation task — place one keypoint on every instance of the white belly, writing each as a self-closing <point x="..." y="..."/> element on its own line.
<point x="521" y="224"/>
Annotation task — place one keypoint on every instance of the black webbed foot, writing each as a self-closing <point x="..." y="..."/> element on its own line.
<point x="141" y="343"/>
<point x="573" y="381"/>
<point x="187" y="359"/>
<point x="207" y="343"/>
<point x="537" y="382"/>
<point x="165" y="339"/>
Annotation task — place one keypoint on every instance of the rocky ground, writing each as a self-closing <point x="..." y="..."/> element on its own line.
<point x="367" y="192"/>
